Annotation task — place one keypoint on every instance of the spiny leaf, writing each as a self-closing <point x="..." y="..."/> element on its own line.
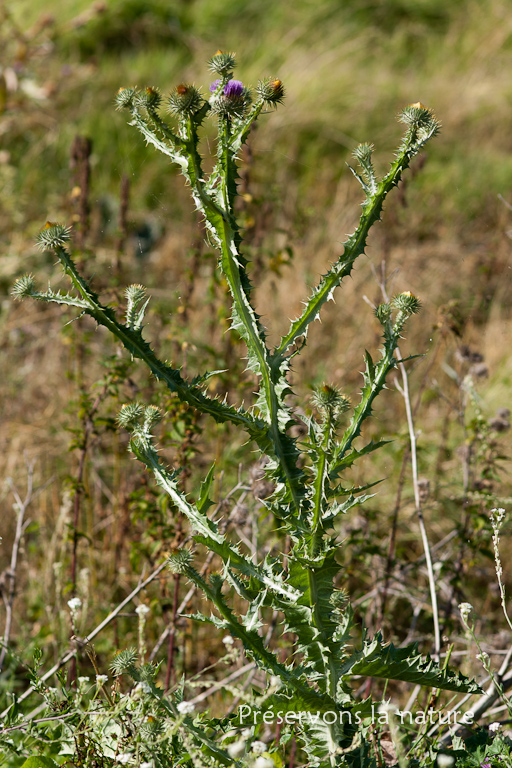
<point x="385" y="661"/>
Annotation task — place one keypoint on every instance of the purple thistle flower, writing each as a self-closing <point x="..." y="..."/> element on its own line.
<point x="214" y="86"/>
<point x="234" y="89"/>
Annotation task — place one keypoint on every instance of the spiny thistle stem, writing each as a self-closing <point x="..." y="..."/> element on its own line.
<point x="305" y="497"/>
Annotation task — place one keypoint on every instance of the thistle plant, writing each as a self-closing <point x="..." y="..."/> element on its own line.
<point x="308" y="497"/>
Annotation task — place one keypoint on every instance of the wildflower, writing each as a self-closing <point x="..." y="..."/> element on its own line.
<point x="228" y="641"/>
<point x="74" y="604"/>
<point x="142" y="610"/>
<point x="484" y="658"/>
<point x="236" y="749"/>
<point x="263" y="762"/>
<point x="124" y="758"/>
<point x="74" y="607"/>
<point x="185" y="708"/>
<point x="445" y="761"/>
<point x="234" y="89"/>
<point x="494" y="727"/>
<point x="465" y="609"/>
<point x="101" y="680"/>
<point x="258" y="747"/>
<point x="497" y="516"/>
<point x="82" y="683"/>
<point x="146" y="765"/>
<point x="232" y="100"/>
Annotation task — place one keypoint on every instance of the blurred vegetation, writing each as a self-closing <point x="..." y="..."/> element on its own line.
<point x="348" y="68"/>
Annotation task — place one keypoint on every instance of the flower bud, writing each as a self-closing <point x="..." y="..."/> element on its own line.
<point x="124" y="98"/>
<point x="185" y="100"/>
<point x="152" y="415"/>
<point x="24" y="286"/>
<point x="179" y="561"/>
<point x="271" y="90"/>
<point x="329" y="399"/>
<point x="149" y="98"/>
<point x="383" y="313"/>
<point x="222" y="63"/>
<point x="130" y="415"/>
<point x="407" y="303"/>
<point x="52" y="236"/>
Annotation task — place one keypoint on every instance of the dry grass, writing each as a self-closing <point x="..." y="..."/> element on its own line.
<point x="444" y="236"/>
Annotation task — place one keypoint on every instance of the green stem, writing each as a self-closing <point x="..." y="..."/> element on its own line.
<point x="353" y="248"/>
<point x="365" y="406"/>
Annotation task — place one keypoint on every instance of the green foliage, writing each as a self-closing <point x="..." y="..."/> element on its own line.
<point x="306" y="496"/>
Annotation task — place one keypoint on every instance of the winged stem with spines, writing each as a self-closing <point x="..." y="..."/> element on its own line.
<point x="307" y="497"/>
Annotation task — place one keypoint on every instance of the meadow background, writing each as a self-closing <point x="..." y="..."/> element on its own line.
<point x="97" y="523"/>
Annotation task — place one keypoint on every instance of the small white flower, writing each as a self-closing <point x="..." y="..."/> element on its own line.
<point x="236" y="749"/>
<point x="258" y="747"/>
<point x="465" y="609"/>
<point x="82" y="684"/>
<point x="497" y="516"/>
<point x="101" y="680"/>
<point x="124" y="758"/>
<point x="146" y="765"/>
<point x="228" y="641"/>
<point x="483" y="657"/>
<point x="246" y="733"/>
<point x="494" y="727"/>
<point x="185" y="708"/>
<point x="140" y="690"/>
<point x="264" y="762"/>
<point x="142" y="610"/>
<point x="445" y="761"/>
<point x="74" y="605"/>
